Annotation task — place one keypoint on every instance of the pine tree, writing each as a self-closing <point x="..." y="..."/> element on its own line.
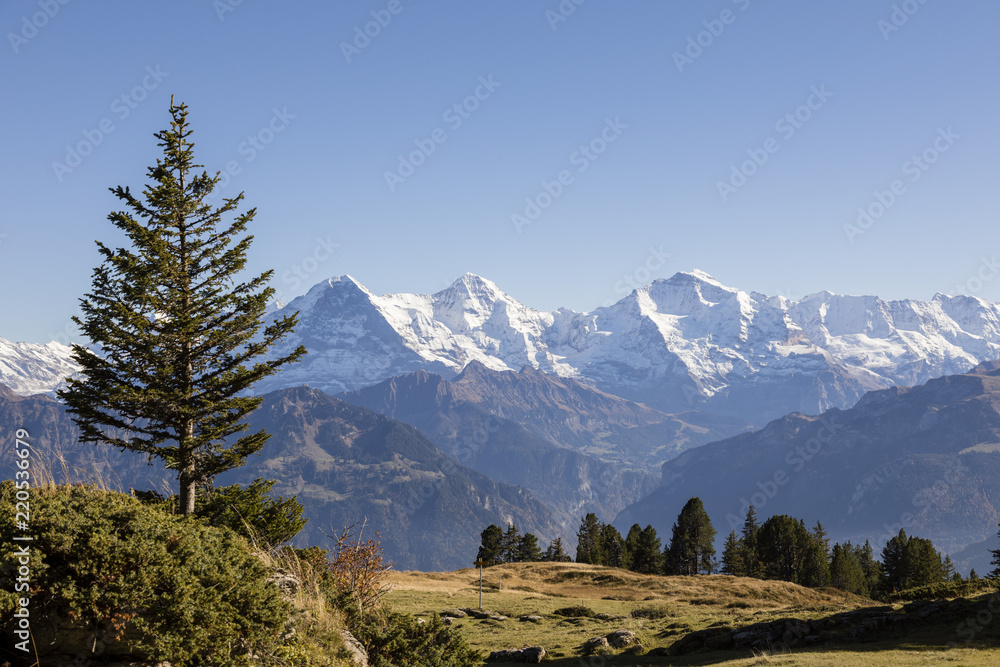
<point x="783" y="546"/>
<point x="816" y="563"/>
<point x="872" y="570"/>
<point x="948" y="569"/>
<point x="178" y="339"/>
<point x="895" y="562"/>
<point x="613" y="547"/>
<point x="491" y="545"/>
<point x="692" y="545"/>
<point x="588" y="544"/>
<point x="733" y="556"/>
<point x="751" y="562"/>
<point x="995" y="572"/>
<point x="647" y="557"/>
<point x="973" y="576"/>
<point x="555" y="553"/>
<point x="511" y="544"/>
<point x="632" y="544"/>
<point x="528" y="550"/>
<point x="846" y="572"/>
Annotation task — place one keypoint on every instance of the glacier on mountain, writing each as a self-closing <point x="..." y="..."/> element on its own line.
<point x="681" y="343"/>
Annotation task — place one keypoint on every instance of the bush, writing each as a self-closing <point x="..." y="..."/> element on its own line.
<point x="950" y="589"/>
<point x="151" y="585"/>
<point x="579" y="611"/>
<point x="650" y="612"/>
<point x="398" y="640"/>
<point x="249" y="511"/>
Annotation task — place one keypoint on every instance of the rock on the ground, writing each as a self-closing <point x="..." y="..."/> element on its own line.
<point x="530" y="618"/>
<point x="529" y="655"/>
<point x="622" y="638"/>
<point x="358" y="654"/>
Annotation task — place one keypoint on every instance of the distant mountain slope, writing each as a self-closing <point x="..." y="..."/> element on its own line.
<point x="345" y="463"/>
<point x="578" y="449"/>
<point x="924" y="458"/>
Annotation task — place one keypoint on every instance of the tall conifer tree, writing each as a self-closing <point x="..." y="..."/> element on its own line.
<point x="177" y="337"/>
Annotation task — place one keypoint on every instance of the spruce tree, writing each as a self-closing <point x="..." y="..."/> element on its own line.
<point x="995" y="572"/>
<point x="613" y="547"/>
<point x="555" y="553"/>
<point x="588" y="544"/>
<point x="647" y="557"/>
<point x="751" y="562"/>
<point x="511" y="544"/>
<point x="632" y="544"/>
<point x="178" y="340"/>
<point x="732" y="556"/>
<point x="846" y="572"/>
<point x="692" y="545"/>
<point x="528" y="550"/>
<point x="491" y="545"/>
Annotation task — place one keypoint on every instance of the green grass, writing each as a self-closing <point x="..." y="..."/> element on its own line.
<point x="661" y="610"/>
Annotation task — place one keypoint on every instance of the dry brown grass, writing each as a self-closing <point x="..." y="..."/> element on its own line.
<point x="580" y="581"/>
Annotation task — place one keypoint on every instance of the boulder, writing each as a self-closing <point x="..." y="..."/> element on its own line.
<point x="622" y="638"/>
<point x="355" y="649"/>
<point x="528" y="655"/>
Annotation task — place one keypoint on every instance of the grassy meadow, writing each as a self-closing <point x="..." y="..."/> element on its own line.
<point x="661" y="610"/>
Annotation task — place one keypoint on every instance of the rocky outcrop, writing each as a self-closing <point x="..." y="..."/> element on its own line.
<point x="355" y="649"/>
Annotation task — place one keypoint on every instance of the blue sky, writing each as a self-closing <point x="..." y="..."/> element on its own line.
<point x="641" y="108"/>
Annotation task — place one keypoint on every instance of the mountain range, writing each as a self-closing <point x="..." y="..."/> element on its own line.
<point x="925" y="459"/>
<point x="867" y="411"/>
<point x="678" y="344"/>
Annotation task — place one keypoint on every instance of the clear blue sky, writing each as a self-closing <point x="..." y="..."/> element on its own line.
<point x="553" y="86"/>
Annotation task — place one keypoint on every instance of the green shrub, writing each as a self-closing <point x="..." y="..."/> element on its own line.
<point x="398" y="640"/>
<point x="949" y="589"/>
<point x="166" y="587"/>
<point x="579" y="611"/>
<point x="249" y="511"/>
<point x="650" y="612"/>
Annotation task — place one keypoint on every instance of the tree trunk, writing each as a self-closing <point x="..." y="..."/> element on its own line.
<point x="187" y="476"/>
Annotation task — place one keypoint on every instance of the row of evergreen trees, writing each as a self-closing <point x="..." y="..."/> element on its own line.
<point x="780" y="548"/>
<point x="691" y="548"/>
<point x="510" y="546"/>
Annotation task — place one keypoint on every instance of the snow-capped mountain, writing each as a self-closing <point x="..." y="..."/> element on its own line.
<point x="687" y="342"/>
<point x="30" y="368"/>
